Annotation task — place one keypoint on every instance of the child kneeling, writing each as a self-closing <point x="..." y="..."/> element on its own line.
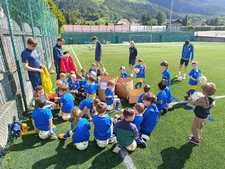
<point x="102" y="125"/>
<point x="126" y="132"/>
<point x="42" y="120"/>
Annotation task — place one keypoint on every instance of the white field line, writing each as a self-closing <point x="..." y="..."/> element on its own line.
<point x="74" y="54"/>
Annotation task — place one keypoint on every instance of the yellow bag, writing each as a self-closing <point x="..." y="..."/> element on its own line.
<point x="46" y="81"/>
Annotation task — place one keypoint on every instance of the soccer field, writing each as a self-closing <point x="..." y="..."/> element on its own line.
<point x="167" y="148"/>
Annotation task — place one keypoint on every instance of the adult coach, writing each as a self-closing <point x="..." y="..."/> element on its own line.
<point x="58" y="53"/>
<point x="31" y="63"/>
<point x="187" y="55"/>
<point x="132" y="55"/>
<point x="98" y="50"/>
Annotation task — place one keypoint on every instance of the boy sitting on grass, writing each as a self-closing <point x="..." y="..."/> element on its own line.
<point x="102" y="125"/>
<point x="147" y="90"/>
<point x="162" y="98"/>
<point x="126" y="132"/>
<point x="42" y="121"/>
<point x="67" y="103"/>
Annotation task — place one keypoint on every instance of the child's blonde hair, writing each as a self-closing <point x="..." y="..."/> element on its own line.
<point x="76" y="114"/>
<point x="111" y="83"/>
<point x="62" y="75"/>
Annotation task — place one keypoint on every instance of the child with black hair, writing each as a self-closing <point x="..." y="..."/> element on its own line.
<point x="151" y="116"/>
<point x="162" y="97"/>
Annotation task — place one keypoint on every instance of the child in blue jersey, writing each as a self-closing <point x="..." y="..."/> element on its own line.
<point x="67" y="103"/>
<point x="87" y="107"/>
<point x="165" y="72"/>
<point x="63" y="78"/>
<point x="162" y="98"/>
<point x="150" y="118"/>
<point x="91" y="87"/>
<point x="73" y="84"/>
<point x="140" y="73"/>
<point x="42" y="120"/>
<point x="139" y="109"/>
<point x="194" y="75"/>
<point x="147" y="90"/>
<point x="93" y="68"/>
<point x="126" y="132"/>
<point x="109" y="94"/>
<point x="102" y="125"/>
<point x="123" y="72"/>
<point x="79" y="129"/>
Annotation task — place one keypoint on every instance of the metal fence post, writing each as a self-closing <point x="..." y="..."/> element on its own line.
<point x="10" y="25"/>
<point x="31" y="18"/>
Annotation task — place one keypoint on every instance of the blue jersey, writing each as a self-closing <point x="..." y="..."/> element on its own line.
<point x="67" y="103"/>
<point x="166" y="76"/>
<point x="188" y="52"/>
<point x="150" y="119"/>
<point x="81" y="132"/>
<point x="82" y="82"/>
<point x="32" y="58"/>
<point x="92" y="69"/>
<point x="162" y="100"/>
<point x="109" y="93"/>
<point x="91" y="88"/>
<point x="86" y="104"/>
<point x="141" y="71"/>
<point x="57" y="53"/>
<point x="124" y="75"/>
<point x="41" y="117"/>
<point x="137" y="121"/>
<point x="102" y="127"/>
<point x="73" y="85"/>
<point x="194" y="76"/>
<point x="168" y="95"/>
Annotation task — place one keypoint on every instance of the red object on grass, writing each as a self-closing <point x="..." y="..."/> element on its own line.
<point x="67" y="65"/>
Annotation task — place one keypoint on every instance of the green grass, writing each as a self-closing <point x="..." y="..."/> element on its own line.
<point x="168" y="148"/>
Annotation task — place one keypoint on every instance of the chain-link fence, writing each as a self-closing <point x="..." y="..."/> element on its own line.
<point x="19" y="20"/>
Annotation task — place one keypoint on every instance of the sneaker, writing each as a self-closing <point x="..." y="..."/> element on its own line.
<point x="184" y="76"/>
<point x="194" y="141"/>
<point x="117" y="149"/>
<point x="53" y="136"/>
<point x="145" y="137"/>
<point x="141" y="143"/>
<point x="112" y="140"/>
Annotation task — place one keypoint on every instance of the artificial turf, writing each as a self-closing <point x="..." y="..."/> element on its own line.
<point x="167" y="148"/>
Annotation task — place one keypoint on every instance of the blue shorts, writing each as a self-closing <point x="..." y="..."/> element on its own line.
<point x="67" y="109"/>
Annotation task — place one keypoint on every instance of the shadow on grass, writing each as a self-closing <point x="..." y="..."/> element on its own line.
<point x="106" y="160"/>
<point x="29" y="141"/>
<point x="174" y="158"/>
<point x="68" y="156"/>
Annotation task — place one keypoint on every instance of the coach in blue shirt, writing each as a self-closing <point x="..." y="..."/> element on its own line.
<point x="98" y="50"/>
<point x="58" y="53"/>
<point x="31" y="63"/>
<point x="187" y="55"/>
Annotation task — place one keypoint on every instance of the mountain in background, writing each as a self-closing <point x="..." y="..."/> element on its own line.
<point x="142" y="11"/>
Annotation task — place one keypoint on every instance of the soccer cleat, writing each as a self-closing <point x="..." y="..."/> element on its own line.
<point x="53" y="136"/>
<point x="194" y="141"/>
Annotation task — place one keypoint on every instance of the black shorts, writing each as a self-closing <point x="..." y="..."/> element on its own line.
<point x="132" y="61"/>
<point x="201" y="115"/>
<point x="185" y="62"/>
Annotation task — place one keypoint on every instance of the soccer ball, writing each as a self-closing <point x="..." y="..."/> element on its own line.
<point x="136" y="71"/>
<point x="195" y="96"/>
<point x="203" y="80"/>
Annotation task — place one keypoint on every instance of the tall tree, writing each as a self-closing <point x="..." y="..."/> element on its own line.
<point x="161" y="17"/>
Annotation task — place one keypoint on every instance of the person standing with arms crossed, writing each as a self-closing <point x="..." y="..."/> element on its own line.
<point x="58" y="53"/>
<point x="98" y="51"/>
<point x="132" y="56"/>
<point x="31" y="63"/>
<point x="187" y="55"/>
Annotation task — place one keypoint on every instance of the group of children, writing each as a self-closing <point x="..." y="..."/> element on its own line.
<point x="130" y="130"/>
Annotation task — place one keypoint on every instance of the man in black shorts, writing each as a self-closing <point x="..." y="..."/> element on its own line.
<point x="187" y="55"/>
